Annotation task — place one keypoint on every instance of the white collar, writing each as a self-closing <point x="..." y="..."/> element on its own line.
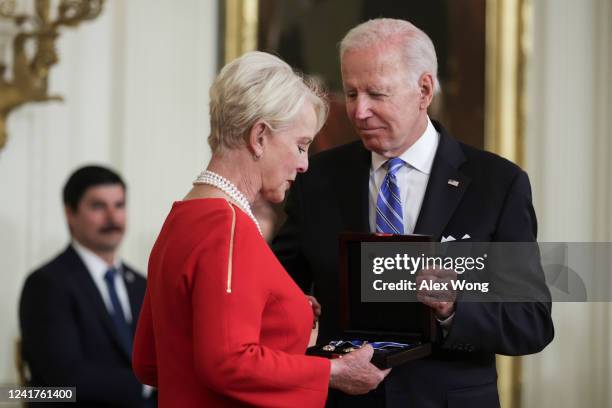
<point x="96" y="265"/>
<point x="420" y="155"/>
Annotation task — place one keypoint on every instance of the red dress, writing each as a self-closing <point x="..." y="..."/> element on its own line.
<point x="222" y="323"/>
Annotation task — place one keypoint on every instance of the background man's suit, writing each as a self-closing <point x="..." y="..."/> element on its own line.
<point x="69" y="338"/>
<point x="491" y="203"/>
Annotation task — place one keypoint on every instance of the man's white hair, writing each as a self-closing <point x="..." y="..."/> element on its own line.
<point x="417" y="48"/>
<point x="258" y="86"/>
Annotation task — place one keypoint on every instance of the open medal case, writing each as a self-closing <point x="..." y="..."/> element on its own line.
<point x="382" y="324"/>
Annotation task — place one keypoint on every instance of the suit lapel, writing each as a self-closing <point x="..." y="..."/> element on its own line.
<point x="445" y="188"/>
<point x="90" y="291"/>
<point x="441" y="197"/>
<point x="351" y="185"/>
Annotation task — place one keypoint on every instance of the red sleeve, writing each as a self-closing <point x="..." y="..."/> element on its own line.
<point x="144" y="360"/>
<point x="227" y="352"/>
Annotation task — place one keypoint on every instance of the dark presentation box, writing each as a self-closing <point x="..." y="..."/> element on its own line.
<point x="407" y="322"/>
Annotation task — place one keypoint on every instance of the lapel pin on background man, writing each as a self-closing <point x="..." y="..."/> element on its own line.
<point x="77" y="312"/>
<point x="408" y="175"/>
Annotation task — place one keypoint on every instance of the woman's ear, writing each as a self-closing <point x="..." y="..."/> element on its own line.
<point x="257" y="138"/>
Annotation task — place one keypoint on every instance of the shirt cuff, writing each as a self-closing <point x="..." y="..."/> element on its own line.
<point x="147" y="390"/>
<point x="446" y="324"/>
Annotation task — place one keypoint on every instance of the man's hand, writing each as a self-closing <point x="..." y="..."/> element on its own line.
<point x="435" y="290"/>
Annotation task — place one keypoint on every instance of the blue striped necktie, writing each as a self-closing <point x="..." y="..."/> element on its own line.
<point x="124" y="330"/>
<point x="389" y="218"/>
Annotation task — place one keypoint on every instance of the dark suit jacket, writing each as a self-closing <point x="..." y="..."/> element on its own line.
<point x="491" y="203"/>
<point x="68" y="337"/>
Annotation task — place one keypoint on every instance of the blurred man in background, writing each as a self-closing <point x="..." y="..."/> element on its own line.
<point x="78" y="312"/>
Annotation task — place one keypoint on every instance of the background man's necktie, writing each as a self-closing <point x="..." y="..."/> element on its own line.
<point x="389" y="216"/>
<point x="123" y="328"/>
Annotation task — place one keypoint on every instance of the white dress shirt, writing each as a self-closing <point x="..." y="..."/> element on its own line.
<point x="97" y="267"/>
<point x="412" y="182"/>
<point x="411" y="179"/>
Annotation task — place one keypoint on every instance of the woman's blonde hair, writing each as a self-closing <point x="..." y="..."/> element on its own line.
<point x="258" y="86"/>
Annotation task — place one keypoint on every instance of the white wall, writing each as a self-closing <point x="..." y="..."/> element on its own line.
<point x="568" y="146"/>
<point x="135" y="83"/>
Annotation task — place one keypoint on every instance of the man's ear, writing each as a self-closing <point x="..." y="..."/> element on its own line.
<point x="426" y="89"/>
<point x="257" y="136"/>
<point x="70" y="214"/>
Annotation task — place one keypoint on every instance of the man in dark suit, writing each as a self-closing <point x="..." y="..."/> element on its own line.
<point x="78" y="312"/>
<point x="408" y="175"/>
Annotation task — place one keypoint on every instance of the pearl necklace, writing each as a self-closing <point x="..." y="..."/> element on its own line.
<point x="223" y="184"/>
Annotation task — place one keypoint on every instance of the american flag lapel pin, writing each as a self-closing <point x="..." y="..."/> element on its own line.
<point x="454" y="183"/>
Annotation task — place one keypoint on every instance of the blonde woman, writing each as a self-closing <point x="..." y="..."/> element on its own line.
<point x="222" y="323"/>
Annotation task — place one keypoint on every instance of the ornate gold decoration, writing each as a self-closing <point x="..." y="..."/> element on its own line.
<point x="30" y="73"/>
<point x="241" y="18"/>
<point x="507" y="47"/>
<point x="508" y="23"/>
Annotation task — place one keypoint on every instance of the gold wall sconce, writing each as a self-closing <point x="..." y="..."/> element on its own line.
<point x="30" y="73"/>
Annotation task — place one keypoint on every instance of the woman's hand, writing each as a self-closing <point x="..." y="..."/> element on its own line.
<point x="354" y="374"/>
<point x="316" y="309"/>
